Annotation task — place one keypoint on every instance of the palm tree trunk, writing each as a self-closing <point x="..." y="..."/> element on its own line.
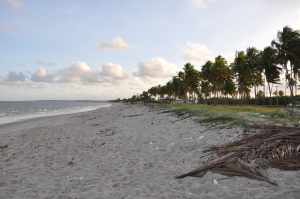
<point x="296" y="80"/>
<point x="270" y="92"/>
<point x="291" y="90"/>
<point x="270" y="89"/>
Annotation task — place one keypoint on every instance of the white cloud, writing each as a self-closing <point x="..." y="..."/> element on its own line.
<point x="201" y="3"/>
<point x="15" y="77"/>
<point x="196" y="53"/>
<point x="78" y="72"/>
<point x="117" y="43"/>
<point x="15" y="3"/>
<point x="80" y="81"/>
<point x="113" y="71"/>
<point x="42" y="75"/>
<point x="156" y="68"/>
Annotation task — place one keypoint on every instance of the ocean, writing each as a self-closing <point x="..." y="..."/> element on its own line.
<point x="22" y="110"/>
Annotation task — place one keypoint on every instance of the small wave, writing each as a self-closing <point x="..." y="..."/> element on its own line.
<point x="5" y="118"/>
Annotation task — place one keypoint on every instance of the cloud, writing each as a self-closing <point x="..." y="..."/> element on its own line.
<point x="80" y="81"/>
<point x="15" y="3"/>
<point x="201" y="3"/>
<point x="15" y="77"/>
<point x="117" y="43"/>
<point x="156" y="68"/>
<point x="196" y="53"/>
<point x="77" y="72"/>
<point x="113" y="71"/>
<point x="42" y="75"/>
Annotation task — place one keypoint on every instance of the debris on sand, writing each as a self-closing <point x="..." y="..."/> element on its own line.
<point x="134" y="115"/>
<point x="165" y="111"/>
<point x="272" y="147"/>
<point x="2" y="147"/>
<point x="184" y="117"/>
<point x="215" y="182"/>
<point x="71" y="162"/>
<point x="106" y="132"/>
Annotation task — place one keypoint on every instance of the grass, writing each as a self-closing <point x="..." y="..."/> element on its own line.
<point x="237" y="115"/>
<point x="227" y="108"/>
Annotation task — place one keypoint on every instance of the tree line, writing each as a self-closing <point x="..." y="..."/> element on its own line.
<point x="252" y="75"/>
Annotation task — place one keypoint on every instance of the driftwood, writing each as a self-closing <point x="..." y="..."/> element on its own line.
<point x="272" y="146"/>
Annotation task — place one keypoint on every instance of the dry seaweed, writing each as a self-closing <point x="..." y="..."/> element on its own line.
<point x="270" y="147"/>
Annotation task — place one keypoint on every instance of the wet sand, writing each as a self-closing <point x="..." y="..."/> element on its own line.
<point x="124" y="151"/>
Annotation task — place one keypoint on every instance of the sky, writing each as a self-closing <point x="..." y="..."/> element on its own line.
<point x="106" y="49"/>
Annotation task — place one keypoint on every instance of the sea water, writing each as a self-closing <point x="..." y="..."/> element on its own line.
<point x="22" y="110"/>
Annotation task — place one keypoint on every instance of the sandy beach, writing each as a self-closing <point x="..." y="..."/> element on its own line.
<point x="121" y="152"/>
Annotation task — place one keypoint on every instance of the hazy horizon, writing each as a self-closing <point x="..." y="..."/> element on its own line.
<point x="101" y="50"/>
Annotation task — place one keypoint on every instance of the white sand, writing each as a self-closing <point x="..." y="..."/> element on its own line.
<point x="123" y="151"/>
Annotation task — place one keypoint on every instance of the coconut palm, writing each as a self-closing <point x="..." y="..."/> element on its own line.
<point x="178" y="87"/>
<point x="242" y="73"/>
<point x="207" y="83"/>
<point x="170" y="90"/>
<point x="255" y="68"/>
<point x="288" y="46"/>
<point x="190" y="78"/>
<point x="229" y="88"/>
<point x="153" y="91"/>
<point x="272" y="71"/>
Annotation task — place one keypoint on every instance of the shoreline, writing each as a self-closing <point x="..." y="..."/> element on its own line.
<point x="124" y="151"/>
<point x="25" y="117"/>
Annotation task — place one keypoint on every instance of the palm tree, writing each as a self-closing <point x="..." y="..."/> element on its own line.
<point x="221" y="74"/>
<point x="207" y="83"/>
<point x="288" y="46"/>
<point x="145" y="97"/>
<point x="153" y="91"/>
<point x="206" y="88"/>
<point x="242" y="72"/>
<point x="163" y="91"/>
<point x="255" y="68"/>
<point x="229" y="88"/>
<point x="190" y="78"/>
<point x="272" y="71"/>
<point x="170" y="90"/>
<point x="178" y="87"/>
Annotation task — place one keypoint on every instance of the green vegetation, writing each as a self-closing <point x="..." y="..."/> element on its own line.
<point x="237" y="115"/>
<point x="227" y="109"/>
